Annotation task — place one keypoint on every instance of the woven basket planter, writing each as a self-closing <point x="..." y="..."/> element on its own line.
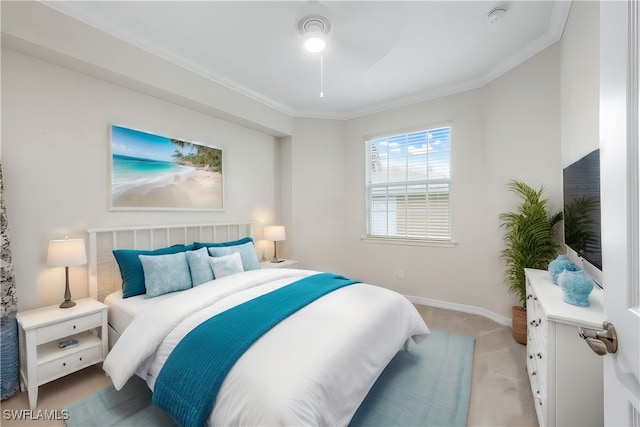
<point x="519" y="324"/>
<point x="9" y="362"/>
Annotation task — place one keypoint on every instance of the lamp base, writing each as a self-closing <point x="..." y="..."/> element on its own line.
<point x="67" y="293"/>
<point x="67" y="304"/>
<point x="275" y="254"/>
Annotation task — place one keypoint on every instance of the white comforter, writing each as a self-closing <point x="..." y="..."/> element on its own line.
<point x="314" y="368"/>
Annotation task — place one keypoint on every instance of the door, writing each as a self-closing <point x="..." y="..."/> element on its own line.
<point x="619" y="159"/>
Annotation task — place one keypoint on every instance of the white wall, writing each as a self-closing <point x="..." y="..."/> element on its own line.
<point x="523" y="143"/>
<point x="579" y="75"/>
<point x="507" y="130"/>
<point x="318" y="194"/>
<point x="55" y="152"/>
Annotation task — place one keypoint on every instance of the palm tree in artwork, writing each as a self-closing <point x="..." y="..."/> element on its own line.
<point x="178" y="156"/>
<point x="203" y="157"/>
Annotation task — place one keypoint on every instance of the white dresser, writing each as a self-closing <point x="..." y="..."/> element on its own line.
<point x="565" y="375"/>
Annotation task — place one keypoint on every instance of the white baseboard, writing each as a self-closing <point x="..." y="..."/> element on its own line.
<point x="461" y="307"/>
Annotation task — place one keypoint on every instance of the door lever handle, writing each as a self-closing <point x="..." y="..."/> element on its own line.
<point x="601" y="341"/>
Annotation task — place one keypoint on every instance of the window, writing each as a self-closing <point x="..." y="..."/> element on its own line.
<point x="408" y="185"/>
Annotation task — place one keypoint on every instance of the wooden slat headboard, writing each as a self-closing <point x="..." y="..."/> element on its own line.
<point x="104" y="273"/>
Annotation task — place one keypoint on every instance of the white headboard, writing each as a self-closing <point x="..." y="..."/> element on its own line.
<point x="104" y="273"/>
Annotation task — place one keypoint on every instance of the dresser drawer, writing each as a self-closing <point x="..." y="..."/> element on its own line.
<point x="537" y="365"/>
<point x="69" y="363"/>
<point x="540" y="402"/>
<point x="537" y="346"/>
<point x="538" y="386"/>
<point x="69" y="327"/>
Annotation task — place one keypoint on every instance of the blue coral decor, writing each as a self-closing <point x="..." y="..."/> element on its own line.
<point x="560" y="264"/>
<point x="576" y="287"/>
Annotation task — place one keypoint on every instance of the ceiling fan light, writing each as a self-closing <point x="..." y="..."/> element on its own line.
<point x="314" y="41"/>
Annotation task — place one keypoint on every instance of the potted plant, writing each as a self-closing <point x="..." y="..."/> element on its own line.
<point x="530" y="243"/>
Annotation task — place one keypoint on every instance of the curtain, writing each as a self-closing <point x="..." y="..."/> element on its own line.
<point x="9" y="362"/>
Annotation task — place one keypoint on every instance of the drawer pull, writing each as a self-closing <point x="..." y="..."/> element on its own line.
<point x="64" y="364"/>
<point x="81" y="359"/>
<point x="539" y="355"/>
<point x="534" y="373"/>
<point x="74" y="326"/>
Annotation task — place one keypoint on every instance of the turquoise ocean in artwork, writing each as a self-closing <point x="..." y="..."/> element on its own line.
<point x="129" y="172"/>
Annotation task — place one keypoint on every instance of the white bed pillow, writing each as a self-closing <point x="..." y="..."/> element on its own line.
<point x="165" y="273"/>
<point x="226" y="265"/>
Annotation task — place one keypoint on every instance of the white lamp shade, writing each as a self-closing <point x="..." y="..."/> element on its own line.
<point x="274" y="233"/>
<point x="64" y="253"/>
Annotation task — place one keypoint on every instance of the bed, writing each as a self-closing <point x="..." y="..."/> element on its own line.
<point x="314" y="367"/>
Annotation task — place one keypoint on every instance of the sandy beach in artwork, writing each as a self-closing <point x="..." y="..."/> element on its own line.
<point x="201" y="189"/>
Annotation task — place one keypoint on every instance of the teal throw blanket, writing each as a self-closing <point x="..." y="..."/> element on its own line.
<point x="194" y="371"/>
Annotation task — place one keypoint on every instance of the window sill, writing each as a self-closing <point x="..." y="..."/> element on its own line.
<point x="409" y="242"/>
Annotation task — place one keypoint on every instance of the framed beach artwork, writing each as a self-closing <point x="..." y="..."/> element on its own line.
<point x="153" y="172"/>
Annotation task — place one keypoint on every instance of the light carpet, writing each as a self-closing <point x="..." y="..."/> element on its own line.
<point x="429" y="385"/>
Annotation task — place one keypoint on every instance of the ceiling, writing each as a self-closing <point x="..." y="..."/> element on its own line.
<point x="380" y="54"/>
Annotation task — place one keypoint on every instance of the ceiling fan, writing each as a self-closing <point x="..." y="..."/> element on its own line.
<point x="352" y="39"/>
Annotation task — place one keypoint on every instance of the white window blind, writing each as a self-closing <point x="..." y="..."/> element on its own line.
<point x="408" y="185"/>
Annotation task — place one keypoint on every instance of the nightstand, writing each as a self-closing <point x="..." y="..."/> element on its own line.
<point x="287" y="263"/>
<point x="40" y="331"/>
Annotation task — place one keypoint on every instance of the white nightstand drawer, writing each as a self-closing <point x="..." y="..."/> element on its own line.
<point x="70" y="363"/>
<point x="69" y="327"/>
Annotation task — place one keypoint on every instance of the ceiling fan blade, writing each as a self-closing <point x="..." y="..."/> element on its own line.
<point x="365" y="35"/>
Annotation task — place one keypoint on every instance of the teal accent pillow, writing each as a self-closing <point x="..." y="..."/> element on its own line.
<point x="247" y="253"/>
<point x="199" y="266"/>
<point x="131" y="268"/>
<point x="198" y="245"/>
<point x="226" y="265"/>
<point x="165" y="273"/>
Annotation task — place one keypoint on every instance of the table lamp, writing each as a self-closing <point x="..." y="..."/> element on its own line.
<point x="275" y="233"/>
<point x="66" y="253"/>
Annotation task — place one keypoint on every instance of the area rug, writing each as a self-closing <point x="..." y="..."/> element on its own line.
<point x="429" y="385"/>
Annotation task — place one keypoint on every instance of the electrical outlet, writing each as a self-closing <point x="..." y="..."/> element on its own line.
<point x="401" y="274"/>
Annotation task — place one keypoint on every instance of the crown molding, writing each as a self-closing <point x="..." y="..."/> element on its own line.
<point x="76" y="11"/>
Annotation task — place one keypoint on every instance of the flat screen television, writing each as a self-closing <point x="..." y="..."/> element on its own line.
<point x="582" y="230"/>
